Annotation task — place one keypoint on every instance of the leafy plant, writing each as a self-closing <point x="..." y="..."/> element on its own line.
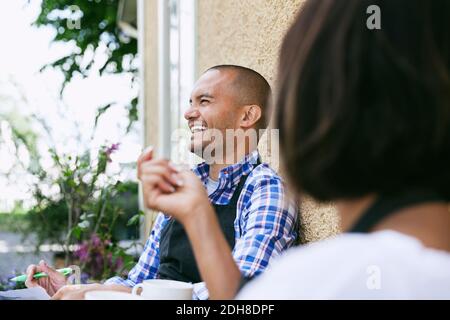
<point x="101" y="258"/>
<point x="92" y="26"/>
<point x="89" y="201"/>
<point x="85" y="202"/>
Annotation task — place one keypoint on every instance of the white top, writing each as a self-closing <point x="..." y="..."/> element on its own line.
<point x="379" y="265"/>
<point x="211" y="185"/>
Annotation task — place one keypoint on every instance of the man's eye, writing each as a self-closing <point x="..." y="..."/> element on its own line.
<point x="204" y="101"/>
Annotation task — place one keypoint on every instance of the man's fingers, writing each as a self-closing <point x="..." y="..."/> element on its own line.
<point x="31" y="271"/>
<point x="48" y="270"/>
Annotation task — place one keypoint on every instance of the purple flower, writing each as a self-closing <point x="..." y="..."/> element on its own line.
<point x="82" y="252"/>
<point x="99" y="258"/>
<point x="119" y="263"/>
<point x="99" y="262"/>
<point x="114" y="147"/>
<point x="96" y="242"/>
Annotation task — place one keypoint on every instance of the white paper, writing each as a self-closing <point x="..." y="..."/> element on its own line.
<point x="36" y="293"/>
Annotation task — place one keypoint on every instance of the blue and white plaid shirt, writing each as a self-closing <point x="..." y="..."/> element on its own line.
<point x="265" y="224"/>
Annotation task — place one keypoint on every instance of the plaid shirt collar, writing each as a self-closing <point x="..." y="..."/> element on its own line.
<point x="229" y="177"/>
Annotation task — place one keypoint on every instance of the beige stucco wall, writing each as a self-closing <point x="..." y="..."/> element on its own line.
<point x="249" y="33"/>
<point x="243" y="32"/>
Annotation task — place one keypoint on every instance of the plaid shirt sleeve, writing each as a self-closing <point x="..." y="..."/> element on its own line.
<point x="268" y="224"/>
<point x="148" y="264"/>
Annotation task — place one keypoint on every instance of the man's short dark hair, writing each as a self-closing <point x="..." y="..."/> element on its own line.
<point x="366" y="111"/>
<point x="251" y="88"/>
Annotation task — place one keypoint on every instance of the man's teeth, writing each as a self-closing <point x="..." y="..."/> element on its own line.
<point x="198" y="128"/>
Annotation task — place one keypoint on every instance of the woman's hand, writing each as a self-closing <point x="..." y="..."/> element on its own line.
<point x="177" y="193"/>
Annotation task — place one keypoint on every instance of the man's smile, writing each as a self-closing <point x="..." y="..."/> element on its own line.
<point x="197" y="127"/>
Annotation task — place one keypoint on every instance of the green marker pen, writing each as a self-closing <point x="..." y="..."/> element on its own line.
<point x="23" y="277"/>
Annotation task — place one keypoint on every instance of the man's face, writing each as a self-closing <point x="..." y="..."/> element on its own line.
<point x="212" y="109"/>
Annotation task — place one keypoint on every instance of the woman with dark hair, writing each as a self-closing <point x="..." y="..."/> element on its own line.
<point x="364" y="119"/>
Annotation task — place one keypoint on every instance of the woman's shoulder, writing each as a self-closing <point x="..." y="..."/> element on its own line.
<point x="352" y="266"/>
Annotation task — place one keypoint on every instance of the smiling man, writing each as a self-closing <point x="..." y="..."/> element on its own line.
<point x="228" y="106"/>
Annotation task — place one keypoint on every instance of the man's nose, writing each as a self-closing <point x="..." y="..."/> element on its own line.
<point x="191" y="113"/>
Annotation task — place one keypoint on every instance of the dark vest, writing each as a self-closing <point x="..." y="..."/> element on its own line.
<point x="177" y="261"/>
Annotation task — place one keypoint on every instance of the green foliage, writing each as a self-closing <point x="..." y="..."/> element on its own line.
<point x="85" y="206"/>
<point x="24" y="136"/>
<point x="13" y="221"/>
<point x="91" y="211"/>
<point x="85" y="202"/>
<point x="48" y="222"/>
<point x="98" y="31"/>
<point x="98" y="25"/>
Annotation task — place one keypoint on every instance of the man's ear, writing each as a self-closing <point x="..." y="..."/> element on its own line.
<point x="251" y="115"/>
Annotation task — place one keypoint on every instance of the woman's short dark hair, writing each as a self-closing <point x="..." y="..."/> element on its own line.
<point x="365" y="111"/>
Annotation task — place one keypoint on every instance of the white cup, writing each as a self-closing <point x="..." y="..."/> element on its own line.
<point x="110" y="295"/>
<point x="161" y="289"/>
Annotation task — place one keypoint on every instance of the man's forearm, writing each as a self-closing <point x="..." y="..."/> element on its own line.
<point x="117" y="287"/>
<point x="77" y="291"/>
<point x="109" y="287"/>
<point x="213" y="254"/>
